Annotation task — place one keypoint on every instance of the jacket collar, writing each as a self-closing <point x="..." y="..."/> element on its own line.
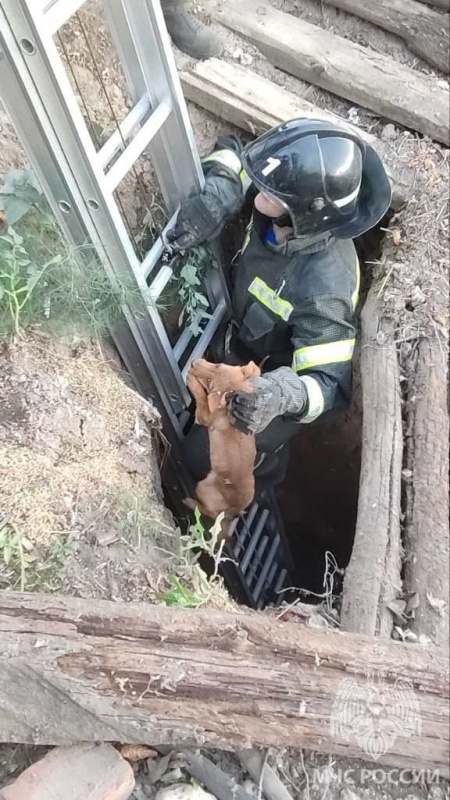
<point x="303" y="244"/>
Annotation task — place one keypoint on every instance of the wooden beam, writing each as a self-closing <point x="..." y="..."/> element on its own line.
<point x="246" y="99"/>
<point x="444" y="5"/>
<point x="427" y="528"/>
<point x="79" y="772"/>
<point x="425" y="31"/>
<point x="76" y="670"/>
<point x="373" y="579"/>
<point x="370" y="79"/>
<point x="255" y="104"/>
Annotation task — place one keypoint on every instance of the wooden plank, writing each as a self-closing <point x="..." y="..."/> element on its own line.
<point x="79" y="772"/>
<point x="444" y="5"/>
<point x="427" y="529"/>
<point x="248" y="100"/>
<point x="370" y="79"/>
<point x="425" y="31"/>
<point x="139" y="673"/>
<point x="373" y="579"/>
<point x="255" y="104"/>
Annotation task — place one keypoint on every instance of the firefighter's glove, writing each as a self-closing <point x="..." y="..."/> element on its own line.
<point x="274" y="394"/>
<point x="202" y="217"/>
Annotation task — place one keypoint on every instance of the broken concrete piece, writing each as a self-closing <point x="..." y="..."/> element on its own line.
<point x="78" y="772"/>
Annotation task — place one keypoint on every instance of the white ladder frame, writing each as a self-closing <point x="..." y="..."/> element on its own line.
<point x="39" y="98"/>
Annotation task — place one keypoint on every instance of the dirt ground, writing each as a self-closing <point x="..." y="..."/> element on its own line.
<point x="78" y="471"/>
<point x="78" y="458"/>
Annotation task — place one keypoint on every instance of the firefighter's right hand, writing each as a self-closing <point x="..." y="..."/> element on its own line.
<point x="274" y="394"/>
<point x="202" y="217"/>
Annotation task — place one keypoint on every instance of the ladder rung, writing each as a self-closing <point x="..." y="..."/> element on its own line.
<point x="132" y="152"/>
<point x="155" y="252"/>
<point x="269" y="583"/>
<point x="117" y="139"/>
<point x="206" y="336"/>
<point x="57" y="12"/>
<point x="257" y="560"/>
<point x="265" y="570"/>
<point x="159" y="284"/>
<point x="246" y="524"/>
<point x="182" y="343"/>
<point x="259" y="527"/>
<point x="280" y="581"/>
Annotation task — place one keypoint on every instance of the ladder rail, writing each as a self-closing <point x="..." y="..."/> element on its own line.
<point x="49" y="161"/>
<point x="139" y="32"/>
<point x="143" y="45"/>
<point x="45" y="82"/>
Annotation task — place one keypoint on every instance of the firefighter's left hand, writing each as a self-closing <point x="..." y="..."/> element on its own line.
<point x="274" y="394"/>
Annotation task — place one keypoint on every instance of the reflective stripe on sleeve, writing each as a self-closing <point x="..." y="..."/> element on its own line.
<point x="316" y="401"/>
<point x="245" y="180"/>
<point x="269" y="298"/>
<point x="226" y="157"/>
<point x="330" y="353"/>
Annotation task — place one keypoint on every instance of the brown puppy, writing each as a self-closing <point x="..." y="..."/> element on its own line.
<point x="230" y="485"/>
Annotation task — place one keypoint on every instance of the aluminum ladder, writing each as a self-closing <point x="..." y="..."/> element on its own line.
<point x="79" y="182"/>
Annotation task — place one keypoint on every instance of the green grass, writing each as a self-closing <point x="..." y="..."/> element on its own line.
<point x="192" y="545"/>
<point x="26" y="568"/>
<point x="43" y="280"/>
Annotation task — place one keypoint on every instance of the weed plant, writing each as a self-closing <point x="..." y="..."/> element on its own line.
<point x="46" y="281"/>
<point x="25" y="567"/>
<point x="192" y="545"/>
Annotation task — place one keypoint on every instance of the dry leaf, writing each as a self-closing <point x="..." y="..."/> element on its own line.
<point x="413" y="603"/>
<point x="398" y="608"/>
<point x="439" y="605"/>
<point x="156" y="769"/>
<point x="136" y="752"/>
<point x="405" y="634"/>
<point x="151" y="580"/>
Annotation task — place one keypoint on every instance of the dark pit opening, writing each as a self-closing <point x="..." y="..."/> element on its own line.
<point x="293" y="532"/>
<point x="318" y="499"/>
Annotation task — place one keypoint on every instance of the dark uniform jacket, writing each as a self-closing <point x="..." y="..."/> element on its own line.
<point x="294" y="306"/>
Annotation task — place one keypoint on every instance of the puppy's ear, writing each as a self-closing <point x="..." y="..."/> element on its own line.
<point x="250" y="370"/>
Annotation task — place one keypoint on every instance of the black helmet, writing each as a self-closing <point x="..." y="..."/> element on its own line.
<point x="326" y="177"/>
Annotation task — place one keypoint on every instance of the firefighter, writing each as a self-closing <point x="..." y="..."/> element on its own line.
<point x="188" y="33"/>
<point x="295" y="281"/>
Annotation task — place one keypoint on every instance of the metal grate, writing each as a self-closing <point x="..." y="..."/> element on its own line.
<point x="259" y="554"/>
